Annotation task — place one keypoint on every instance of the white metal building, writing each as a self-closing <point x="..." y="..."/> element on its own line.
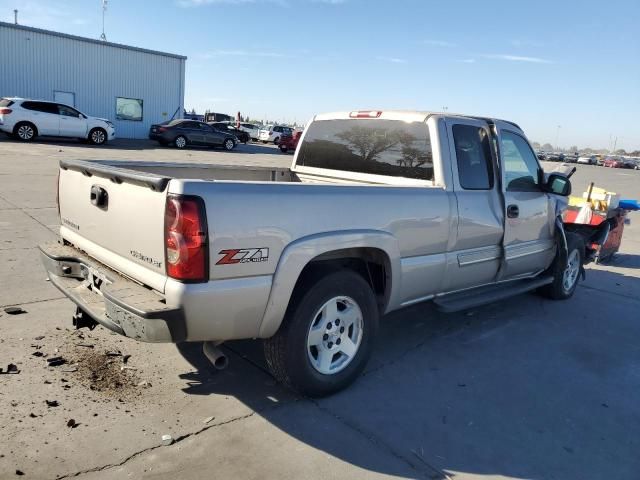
<point x="132" y="87"/>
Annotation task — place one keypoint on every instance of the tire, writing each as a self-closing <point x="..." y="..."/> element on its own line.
<point x="98" y="136"/>
<point x="283" y="149"/>
<point x="180" y="142"/>
<point x="25" y="131"/>
<point x="276" y="140"/>
<point x="229" y="144"/>
<point x="322" y="368"/>
<point x="565" y="280"/>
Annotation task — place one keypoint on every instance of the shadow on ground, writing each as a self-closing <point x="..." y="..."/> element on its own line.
<point x="527" y="388"/>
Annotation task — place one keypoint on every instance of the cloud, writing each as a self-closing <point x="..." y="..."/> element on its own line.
<point x="239" y="53"/>
<point x="438" y="43"/>
<point x="391" y="59"/>
<point x="515" y="58"/>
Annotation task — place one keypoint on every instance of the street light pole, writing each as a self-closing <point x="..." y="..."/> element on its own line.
<point x="557" y="137"/>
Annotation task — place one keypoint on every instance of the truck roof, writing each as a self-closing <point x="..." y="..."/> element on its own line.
<point x="403" y="115"/>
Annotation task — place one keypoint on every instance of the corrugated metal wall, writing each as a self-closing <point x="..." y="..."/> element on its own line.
<point x="34" y="64"/>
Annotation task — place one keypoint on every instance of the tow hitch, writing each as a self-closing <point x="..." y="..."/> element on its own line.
<point x="81" y="320"/>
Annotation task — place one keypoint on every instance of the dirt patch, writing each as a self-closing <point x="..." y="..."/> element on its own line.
<point x="101" y="367"/>
<point x="105" y="373"/>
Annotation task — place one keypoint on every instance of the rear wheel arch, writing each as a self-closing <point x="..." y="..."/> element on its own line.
<point x="373" y="255"/>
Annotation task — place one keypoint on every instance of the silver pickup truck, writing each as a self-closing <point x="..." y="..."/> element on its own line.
<point x="378" y="211"/>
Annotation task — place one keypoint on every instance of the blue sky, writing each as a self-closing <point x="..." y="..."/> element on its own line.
<point x="542" y="64"/>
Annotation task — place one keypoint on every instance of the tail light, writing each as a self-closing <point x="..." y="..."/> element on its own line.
<point x="5" y="111"/>
<point x="186" y="239"/>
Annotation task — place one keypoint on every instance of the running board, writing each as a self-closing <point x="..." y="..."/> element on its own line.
<point x="455" y="302"/>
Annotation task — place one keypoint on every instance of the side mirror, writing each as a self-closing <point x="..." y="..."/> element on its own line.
<point x="558" y="185"/>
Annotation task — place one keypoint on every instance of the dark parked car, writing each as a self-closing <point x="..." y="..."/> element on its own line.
<point x="190" y="132"/>
<point x="241" y="135"/>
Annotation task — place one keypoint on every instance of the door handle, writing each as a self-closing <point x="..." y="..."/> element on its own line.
<point x="513" y="211"/>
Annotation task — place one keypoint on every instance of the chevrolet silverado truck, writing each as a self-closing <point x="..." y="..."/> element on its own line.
<point x="379" y="210"/>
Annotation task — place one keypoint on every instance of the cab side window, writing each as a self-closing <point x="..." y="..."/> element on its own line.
<point x="473" y="152"/>
<point x="521" y="168"/>
<point x="68" y="111"/>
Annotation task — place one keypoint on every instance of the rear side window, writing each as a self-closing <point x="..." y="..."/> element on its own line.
<point x="473" y="152"/>
<point x="5" y="102"/>
<point x="43" y="107"/>
<point x="379" y="147"/>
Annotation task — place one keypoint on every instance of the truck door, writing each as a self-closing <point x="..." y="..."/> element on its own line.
<point x="528" y="242"/>
<point x="474" y="256"/>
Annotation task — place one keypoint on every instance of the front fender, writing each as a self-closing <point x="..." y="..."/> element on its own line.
<point x="298" y="254"/>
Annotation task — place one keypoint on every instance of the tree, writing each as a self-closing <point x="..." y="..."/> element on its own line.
<point x="573" y="148"/>
<point x="535" y="145"/>
<point x="368" y="143"/>
<point x="547" y="147"/>
<point x="620" y="151"/>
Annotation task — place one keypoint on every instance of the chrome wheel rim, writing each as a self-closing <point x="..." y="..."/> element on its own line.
<point x="571" y="272"/>
<point x="97" y="136"/>
<point x="335" y="335"/>
<point x="25" y="132"/>
<point x="229" y="144"/>
<point x="180" y="142"/>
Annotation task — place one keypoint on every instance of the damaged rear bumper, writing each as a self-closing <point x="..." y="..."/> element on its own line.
<point x="112" y="300"/>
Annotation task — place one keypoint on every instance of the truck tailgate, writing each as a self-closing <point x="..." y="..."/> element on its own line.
<point x="117" y="217"/>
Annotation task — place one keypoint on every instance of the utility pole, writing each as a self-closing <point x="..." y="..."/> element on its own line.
<point x="615" y="142"/>
<point x="558" y="137"/>
<point x="103" y="37"/>
<point x="15" y="17"/>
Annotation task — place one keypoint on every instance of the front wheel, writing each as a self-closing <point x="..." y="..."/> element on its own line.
<point x="283" y="148"/>
<point x="565" y="278"/>
<point x="327" y="335"/>
<point x="276" y="140"/>
<point x="229" y="144"/>
<point x="97" y="136"/>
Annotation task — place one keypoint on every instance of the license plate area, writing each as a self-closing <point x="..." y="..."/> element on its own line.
<point x="93" y="279"/>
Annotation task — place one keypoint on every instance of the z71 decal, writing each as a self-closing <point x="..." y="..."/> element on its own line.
<point x="243" y="255"/>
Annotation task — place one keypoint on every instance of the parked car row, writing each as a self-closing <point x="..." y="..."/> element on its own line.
<point x="26" y="120"/>
<point x="182" y="133"/>
<point x="610" y="161"/>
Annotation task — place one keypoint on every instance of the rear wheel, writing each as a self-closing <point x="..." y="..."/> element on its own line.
<point x="180" y="142"/>
<point x="283" y="148"/>
<point x="565" y="278"/>
<point x="327" y="335"/>
<point x="25" y="131"/>
<point x="276" y="140"/>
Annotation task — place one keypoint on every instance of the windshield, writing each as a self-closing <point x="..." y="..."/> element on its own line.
<point x="380" y="147"/>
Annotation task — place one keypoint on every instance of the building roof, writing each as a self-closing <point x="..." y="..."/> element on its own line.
<point x="89" y="40"/>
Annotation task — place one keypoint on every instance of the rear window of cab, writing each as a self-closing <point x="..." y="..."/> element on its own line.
<point x="380" y="147"/>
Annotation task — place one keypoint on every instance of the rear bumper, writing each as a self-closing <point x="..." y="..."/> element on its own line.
<point x="123" y="306"/>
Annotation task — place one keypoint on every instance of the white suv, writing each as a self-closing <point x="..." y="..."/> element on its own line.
<point x="26" y="119"/>
<point x="272" y="133"/>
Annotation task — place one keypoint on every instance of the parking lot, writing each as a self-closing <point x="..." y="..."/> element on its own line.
<point x="527" y="388"/>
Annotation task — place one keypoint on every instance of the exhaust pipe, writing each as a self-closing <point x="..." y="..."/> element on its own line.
<point x="217" y="358"/>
